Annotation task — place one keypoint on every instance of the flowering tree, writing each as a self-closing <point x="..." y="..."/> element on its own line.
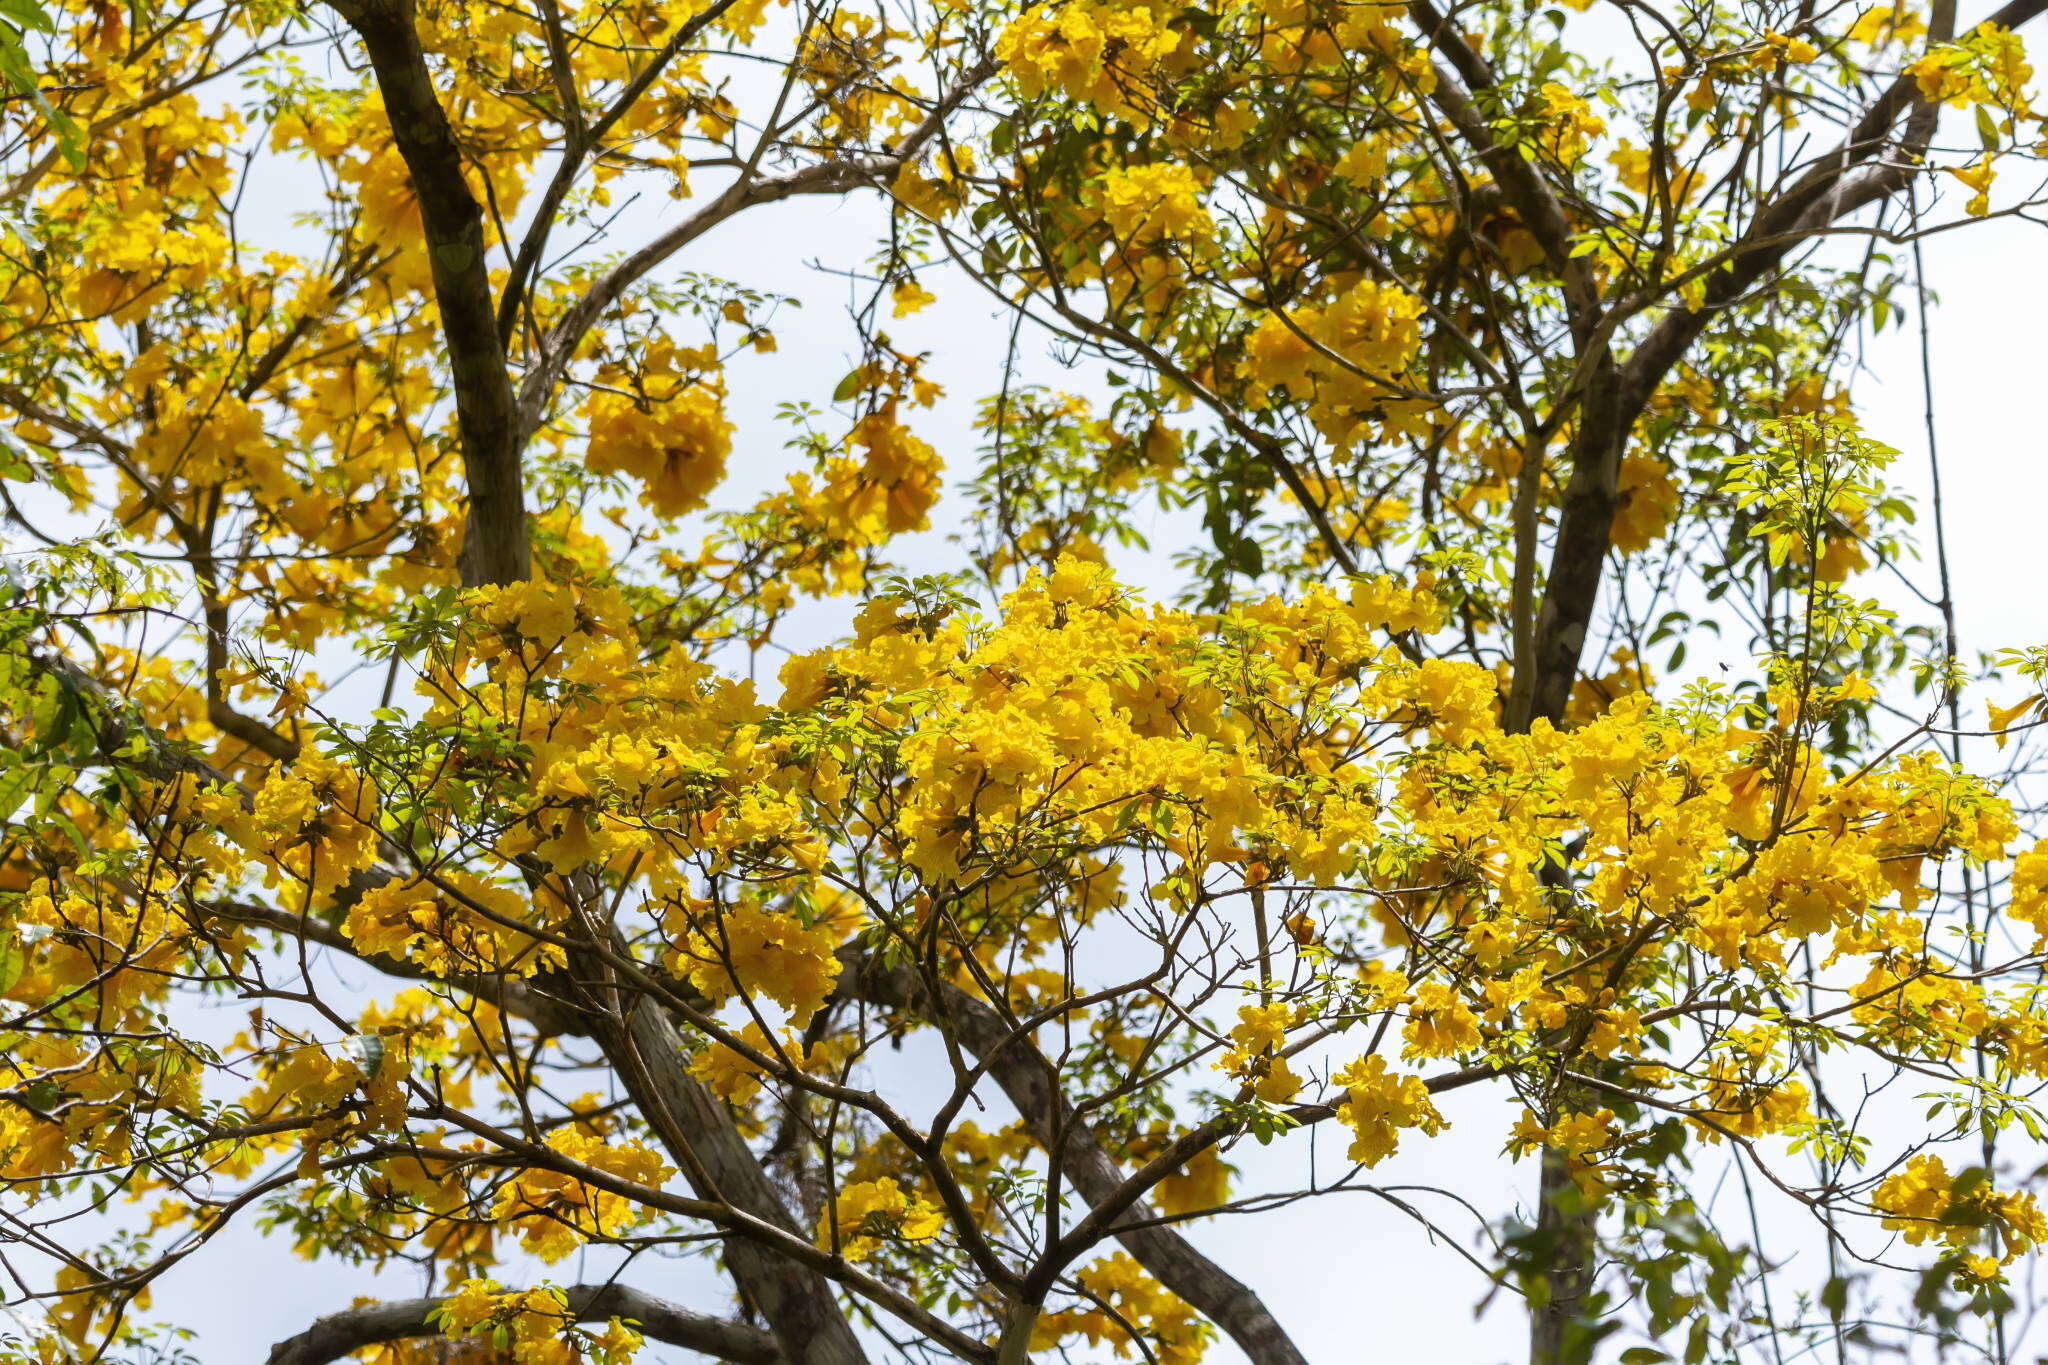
<point x="1494" y="352"/>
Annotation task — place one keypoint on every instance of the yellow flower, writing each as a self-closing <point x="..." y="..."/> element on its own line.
<point x="869" y="1212"/>
<point x="909" y="297"/>
<point x="672" y="436"/>
<point x="554" y="1213"/>
<point x="1378" y="1105"/>
<point x="1924" y="1203"/>
<point x="749" y="948"/>
<point x="1439" y="1023"/>
<point x="1978" y="176"/>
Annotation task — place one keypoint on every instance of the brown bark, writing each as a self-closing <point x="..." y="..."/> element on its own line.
<point x="1567" y="1230"/>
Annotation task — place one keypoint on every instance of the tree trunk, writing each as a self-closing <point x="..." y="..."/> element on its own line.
<point x="1566" y="1226"/>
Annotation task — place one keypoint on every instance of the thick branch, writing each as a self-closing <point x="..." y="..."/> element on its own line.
<point x="1578" y="558"/>
<point x="799" y="1305"/>
<point x="120" y="734"/>
<point x="495" y="546"/>
<point x="339" y="1334"/>
<point x="1521" y="184"/>
<point x="1026" y="1077"/>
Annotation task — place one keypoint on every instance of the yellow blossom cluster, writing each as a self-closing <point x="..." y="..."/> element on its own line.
<point x="870" y="1212"/>
<point x="532" y="1326"/>
<point x="1379" y="1105"/>
<point x="1988" y="65"/>
<point x="1924" y="1203"/>
<point x="554" y="1211"/>
<point x="669" y="432"/>
<point x="1347" y="359"/>
<point x="1107" y="55"/>
<point x="457" y="924"/>
<point x="1253" y="1055"/>
<point x="1125" y="1296"/>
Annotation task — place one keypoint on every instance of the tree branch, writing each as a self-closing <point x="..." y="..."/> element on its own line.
<point x="1837" y="185"/>
<point x="521" y="998"/>
<point x="339" y="1334"/>
<point x="834" y="176"/>
<point x="1520" y="183"/>
<point x="1028" y="1080"/>
<point x="643" y="1045"/>
<point x="495" y="548"/>
<point x="582" y="141"/>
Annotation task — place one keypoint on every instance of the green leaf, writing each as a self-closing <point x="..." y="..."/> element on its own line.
<point x="15" y="67"/>
<point x="15" y="785"/>
<point x="27" y="16"/>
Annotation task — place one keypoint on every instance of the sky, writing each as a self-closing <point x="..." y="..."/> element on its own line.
<point x="1989" y="395"/>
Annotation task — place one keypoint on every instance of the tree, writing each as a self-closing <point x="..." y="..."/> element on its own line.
<point x="1463" y="344"/>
